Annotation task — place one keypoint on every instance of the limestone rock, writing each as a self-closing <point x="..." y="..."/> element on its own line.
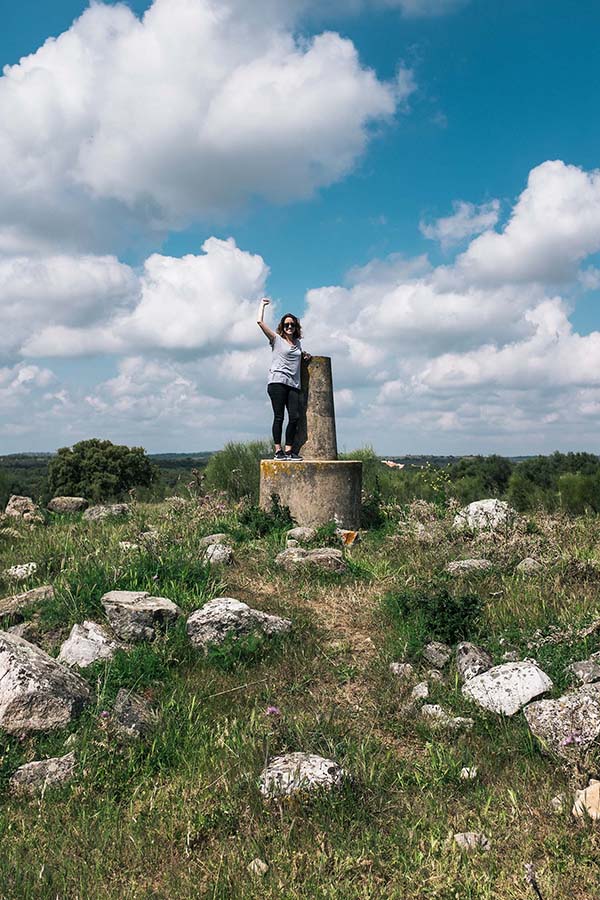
<point x="86" y="644"/>
<point x="403" y="671"/>
<point x="109" y="511"/>
<point x="587" y="670"/>
<point x="434" y="675"/>
<point x="436" y="717"/>
<point x="293" y="772"/>
<point x="219" y="538"/>
<point x="37" y="693"/>
<point x="218" y="554"/>
<point x="224" y="617"/>
<point x="21" y="572"/>
<point x="468" y="773"/>
<point x="507" y="687"/>
<point x="25" y="630"/>
<point x="420" y="691"/>
<point x="472" y="840"/>
<point x="328" y="558"/>
<point x="587" y="802"/>
<point x="529" y="566"/>
<point x="558" y="803"/>
<point x="258" y="867"/>
<point x="569" y="725"/>
<point x="437" y="654"/>
<point x="132" y="715"/>
<point x="303" y="534"/>
<point x="462" y="566"/>
<point x="18" y="602"/>
<point x="35" y="777"/>
<point x="136" y="616"/>
<point x="23" y="508"/>
<point x="128" y="545"/>
<point x="68" y="504"/>
<point x="484" y="514"/>
<point x="291" y="543"/>
<point x="471" y="660"/>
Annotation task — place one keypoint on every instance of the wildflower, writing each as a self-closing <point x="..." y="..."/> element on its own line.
<point x="273" y="711"/>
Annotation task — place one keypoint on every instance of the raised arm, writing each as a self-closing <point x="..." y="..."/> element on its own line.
<point x="261" y="314"/>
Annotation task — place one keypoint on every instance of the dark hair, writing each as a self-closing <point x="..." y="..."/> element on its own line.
<point x="297" y="329"/>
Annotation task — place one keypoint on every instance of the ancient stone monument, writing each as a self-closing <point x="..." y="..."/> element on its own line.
<point x="320" y="488"/>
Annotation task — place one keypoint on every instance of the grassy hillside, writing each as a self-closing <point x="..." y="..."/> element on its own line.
<point x="180" y="815"/>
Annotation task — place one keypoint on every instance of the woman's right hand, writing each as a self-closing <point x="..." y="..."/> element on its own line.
<point x="265" y="301"/>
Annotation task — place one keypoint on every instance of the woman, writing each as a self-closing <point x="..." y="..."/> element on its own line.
<point x="284" y="378"/>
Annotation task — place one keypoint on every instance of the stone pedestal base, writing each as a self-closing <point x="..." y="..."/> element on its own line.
<point x="317" y="491"/>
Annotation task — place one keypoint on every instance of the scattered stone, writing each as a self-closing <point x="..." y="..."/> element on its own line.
<point x="21" y="572"/>
<point x="461" y="566"/>
<point x="568" y="726"/>
<point x="136" y="616"/>
<point x="402" y="670"/>
<point x="35" y="777"/>
<point x="510" y="656"/>
<point x="219" y="538"/>
<point x="18" y="602"/>
<point x="559" y="803"/>
<point x="436" y="717"/>
<point x="218" y="554"/>
<point x="293" y="772"/>
<point x="86" y="644"/>
<point x="25" y="630"/>
<point x="23" y="508"/>
<point x="132" y="715"/>
<point x="529" y="566"/>
<point x="328" y="558"/>
<point x="587" y="802"/>
<point x="420" y="691"/>
<point x="484" y="514"/>
<point x="471" y="660"/>
<point x="290" y="543"/>
<point x="128" y="545"/>
<point x="468" y="773"/>
<point x="303" y="534"/>
<point x="258" y="867"/>
<point x="226" y="617"/>
<point x="150" y="537"/>
<point x="507" y="687"/>
<point x="472" y="840"/>
<point x="37" y="693"/>
<point x="68" y="504"/>
<point x="434" y="675"/>
<point x="111" y="510"/>
<point x="587" y="670"/>
<point x="437" y="654"/>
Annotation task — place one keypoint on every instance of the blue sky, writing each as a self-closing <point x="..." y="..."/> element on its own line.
<point x="482" y="341"/>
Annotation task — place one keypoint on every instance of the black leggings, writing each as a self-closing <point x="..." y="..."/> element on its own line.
<point x="282" y="396"/>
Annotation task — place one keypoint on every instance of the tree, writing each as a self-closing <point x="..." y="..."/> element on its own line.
<point x="99" y="470"/>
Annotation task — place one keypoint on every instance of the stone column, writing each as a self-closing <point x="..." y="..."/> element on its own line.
<point x="317" y="436"/>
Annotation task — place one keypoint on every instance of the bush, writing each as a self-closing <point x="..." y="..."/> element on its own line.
<point x="257" y="522"/>
<point x="99" y="470"/>
<point x="236" y="469"/>
<point x="436" y="612"/>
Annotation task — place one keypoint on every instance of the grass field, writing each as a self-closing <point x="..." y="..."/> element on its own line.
<point x="180" y="815"/>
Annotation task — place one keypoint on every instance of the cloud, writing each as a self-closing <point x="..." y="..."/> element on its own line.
<point x="122" y="124"/>
<point x="466" y="221"/>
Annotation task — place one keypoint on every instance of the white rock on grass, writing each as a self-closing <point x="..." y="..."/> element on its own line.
<point x="220" y="538"/>
<point x="87" y="643"/>
<point x="508" y="687"/>
<point x="484" y="514"/>
<point x="587" y="801"/>
<point x="35" y="777"/>
<point x="136" y="616"/>
<point x="568" y="726"/>
<point x="37" y="693"/>
<point x="109" y="511"/>
<point x="23" y="508"/>
<point x="128" y="545"/>
<point x="132" y="716"/>
<point x="21" y="572"/>
<point x="218" y="554"/>
<point x="528" y="566"/>
<point x="468" y="773"/>
<point x="420" y="691"/>
<point x="471" y="660"/>
<point x="258" y="867"/>
<point x="559" y="803"/>
<point x="436" y="717"/>
<point x="18" y="602"/>
<point x="226" y="617"/>
<point x="437" y="654"/>
<point x="464" y="566"/>
<point x="293" y="772"/>
<point x="303" y="534"/>
<point x="68" y="504"/>
<point x="328" y="558"/>
<point x="586" y="671"/>
<point x="404" y="671"/>
<point x="470" y="841"/>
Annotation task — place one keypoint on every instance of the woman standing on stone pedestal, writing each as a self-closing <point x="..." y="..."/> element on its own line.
<point x="283" y="385"/>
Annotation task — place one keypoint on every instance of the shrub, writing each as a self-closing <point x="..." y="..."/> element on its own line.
<point x="236" y="469"/>
<point x="258" y="522"/>
<point x="436" y="612"/>
<point x="99" y="470"/>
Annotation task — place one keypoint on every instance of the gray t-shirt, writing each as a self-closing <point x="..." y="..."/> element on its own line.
<point x="285" y="365"/>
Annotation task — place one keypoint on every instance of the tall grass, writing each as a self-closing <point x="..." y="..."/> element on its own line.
<point x="236" y="469"/>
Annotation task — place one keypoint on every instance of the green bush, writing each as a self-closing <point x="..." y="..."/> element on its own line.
<point x="99" y="470"/>
<point x="257" y="522"/>
<point x="436" y="612"/>
<point x="236" y="469"/>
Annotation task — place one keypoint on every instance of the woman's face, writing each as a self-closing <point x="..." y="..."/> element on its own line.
<point x="289" y="327"/>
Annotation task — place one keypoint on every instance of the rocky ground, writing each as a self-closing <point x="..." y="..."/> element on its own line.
<point x="197" y="700"/>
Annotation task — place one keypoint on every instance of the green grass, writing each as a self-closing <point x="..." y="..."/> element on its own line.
<point x="180" y="814"/>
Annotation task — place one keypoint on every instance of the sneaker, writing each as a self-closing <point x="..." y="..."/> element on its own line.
<point x="279" y="454"/>
<point x="292" y="455"/>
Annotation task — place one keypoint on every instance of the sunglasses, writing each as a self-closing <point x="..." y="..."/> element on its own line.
<point x="289" y="324"/>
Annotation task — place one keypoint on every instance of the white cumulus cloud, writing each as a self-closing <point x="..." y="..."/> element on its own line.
<point x="466" y="220"/>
